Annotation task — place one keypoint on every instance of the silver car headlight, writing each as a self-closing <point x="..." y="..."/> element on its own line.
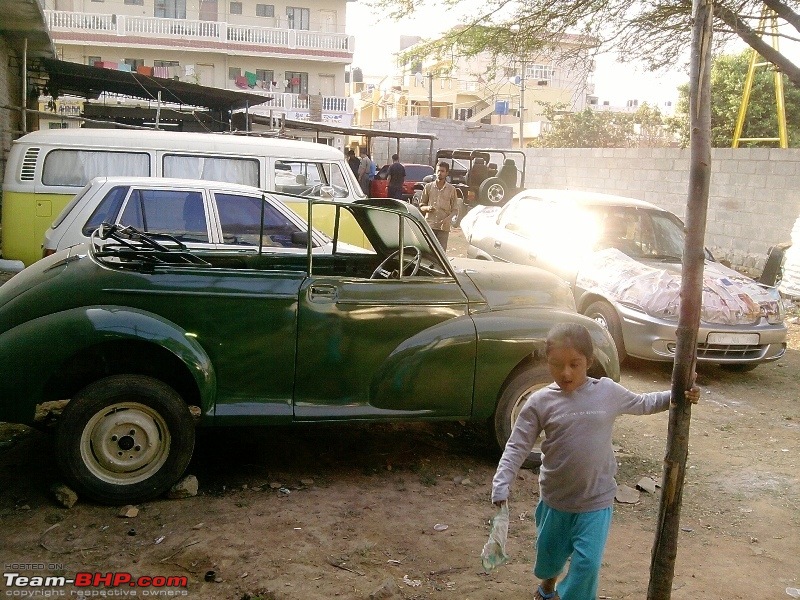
<point x="774" y="311"/>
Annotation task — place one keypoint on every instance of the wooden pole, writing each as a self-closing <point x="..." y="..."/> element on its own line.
<point x="665" y="547"/>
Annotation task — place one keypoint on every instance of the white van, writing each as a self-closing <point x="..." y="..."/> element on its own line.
<point x="47" y="168"/>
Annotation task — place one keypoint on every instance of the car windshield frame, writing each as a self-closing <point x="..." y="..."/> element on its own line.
<point x="375" y="216"/>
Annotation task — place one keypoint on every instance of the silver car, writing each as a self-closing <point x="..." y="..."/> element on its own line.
<point x="622" y="258"/>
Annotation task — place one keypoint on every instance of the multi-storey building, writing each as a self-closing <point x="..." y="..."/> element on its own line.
<point x="289" y="52"/>
<point x="483" y="89"/>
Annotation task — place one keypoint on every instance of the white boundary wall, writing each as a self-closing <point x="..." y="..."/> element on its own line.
<point x="754" y="197"/>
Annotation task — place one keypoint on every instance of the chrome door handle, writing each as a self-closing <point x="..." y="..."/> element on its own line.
<point x="322" y="293"/>
<point x="497" y="244"/>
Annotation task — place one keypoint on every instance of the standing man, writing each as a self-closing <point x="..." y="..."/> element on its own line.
<point x="353" y="161"/>
<point x="397" y="176"/>
<point x="438" y="203"/>
<point x="364" y="167"/>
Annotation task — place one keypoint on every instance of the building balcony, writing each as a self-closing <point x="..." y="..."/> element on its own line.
<point x="199" y="36"/>
<point x="335" y="109"/>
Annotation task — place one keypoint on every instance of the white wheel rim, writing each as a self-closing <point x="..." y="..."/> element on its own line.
<point x="601" y="320"/>
<point x="495" y="193"/>
<point x="517" y="408"/>
<point x="125" y="443"/>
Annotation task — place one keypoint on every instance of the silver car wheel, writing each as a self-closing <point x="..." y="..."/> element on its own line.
<point x="125" y="443"/>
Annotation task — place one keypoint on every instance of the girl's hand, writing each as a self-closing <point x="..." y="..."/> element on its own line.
<point x="693" y="395"/>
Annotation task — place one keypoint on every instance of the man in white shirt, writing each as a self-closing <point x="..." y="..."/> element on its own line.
<point x="438" y="203"/>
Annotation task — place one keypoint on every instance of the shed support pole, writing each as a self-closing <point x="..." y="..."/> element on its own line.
<point x="25" y="86"/>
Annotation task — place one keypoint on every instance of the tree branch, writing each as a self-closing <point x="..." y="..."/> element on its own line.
<point x="785" y="12"/>
<point x="752" y="39"/>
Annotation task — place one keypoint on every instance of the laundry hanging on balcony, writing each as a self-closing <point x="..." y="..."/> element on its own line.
<point x="241" y="82"/>
<point x="251" y="79"/>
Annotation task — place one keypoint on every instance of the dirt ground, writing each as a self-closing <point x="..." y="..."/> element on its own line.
<point x="357" y="511"/>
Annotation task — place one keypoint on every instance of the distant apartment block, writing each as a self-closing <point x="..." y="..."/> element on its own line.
<point x="470" y="89"/>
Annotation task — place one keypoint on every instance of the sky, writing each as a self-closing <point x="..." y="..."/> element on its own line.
<point x="377" y="39"/>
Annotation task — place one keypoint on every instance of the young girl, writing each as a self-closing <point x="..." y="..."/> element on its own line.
<point x="576" y="480"/>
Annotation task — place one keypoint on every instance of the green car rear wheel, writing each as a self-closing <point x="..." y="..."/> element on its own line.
<point x="125" y="439"/>
<point x="512" y="399"/>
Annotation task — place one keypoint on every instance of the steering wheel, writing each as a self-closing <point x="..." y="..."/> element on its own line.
<point x="382" y="272"/>
<point x="312" y="191"/>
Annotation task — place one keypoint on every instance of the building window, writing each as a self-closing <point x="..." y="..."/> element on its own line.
<point x="235" y="8"/>
<point x="59" y="125"/>
<point x="265" y="10"/>
<point x="93" y="59"/>
<point x="297" y="82"/>
<point x="540" y="72"/>
<point x="298" y="18"/>
<point x="135" y="2"/>
<point x="264" y="78"/>
<point x="167" y="69"/>
<point x="170" y="9"/>
<point x="134" y="63"/>
<point x="234" y="73"/>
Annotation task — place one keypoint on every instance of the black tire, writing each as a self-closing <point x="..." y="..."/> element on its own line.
<point x="604" y="314"/>
<point x="493" y="192"/>
<point x="739" y="367"/>
<point x="512" y="399"/>
<point x="121" y="415"/>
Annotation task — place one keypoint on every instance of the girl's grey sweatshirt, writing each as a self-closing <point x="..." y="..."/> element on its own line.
<point x="578" y="463"/>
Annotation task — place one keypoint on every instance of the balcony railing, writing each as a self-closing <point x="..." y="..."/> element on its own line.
<point x="284" y="102"/>
<point x="210" y="31"/>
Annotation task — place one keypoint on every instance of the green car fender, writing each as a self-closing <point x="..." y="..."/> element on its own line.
<point x="511" y="339"/>
<point x="46" y="352"/>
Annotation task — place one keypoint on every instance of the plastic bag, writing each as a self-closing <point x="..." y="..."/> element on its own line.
<point x="494" y="551"/>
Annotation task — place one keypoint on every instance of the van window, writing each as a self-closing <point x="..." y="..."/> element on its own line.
<point x="240" y="217"/>
<point x="213" y="168"/>
<point x="77" y="167"/>
<point x="107" y="210"/>
<point x="179" y="213"/>
<point x="336" y="179"/>
<point x="306" y="178"/>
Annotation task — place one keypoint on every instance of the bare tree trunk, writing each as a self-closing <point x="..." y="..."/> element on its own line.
<point x="665" y="547"/>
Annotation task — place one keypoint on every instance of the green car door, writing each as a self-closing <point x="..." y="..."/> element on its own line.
<point x="380" y="345"/>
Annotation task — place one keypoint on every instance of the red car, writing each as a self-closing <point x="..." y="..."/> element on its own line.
<point x="379" y="187"/>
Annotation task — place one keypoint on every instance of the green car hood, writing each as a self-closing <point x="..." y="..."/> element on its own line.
<point x="507" y="286"/>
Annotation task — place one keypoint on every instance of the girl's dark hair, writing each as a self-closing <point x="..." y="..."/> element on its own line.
<point x="571" y="335"/>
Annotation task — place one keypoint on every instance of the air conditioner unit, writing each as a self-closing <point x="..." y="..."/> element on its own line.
<point x="542" y="82"/>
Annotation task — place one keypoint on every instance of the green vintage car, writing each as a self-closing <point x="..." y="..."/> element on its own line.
<point x="148" y="340"/>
